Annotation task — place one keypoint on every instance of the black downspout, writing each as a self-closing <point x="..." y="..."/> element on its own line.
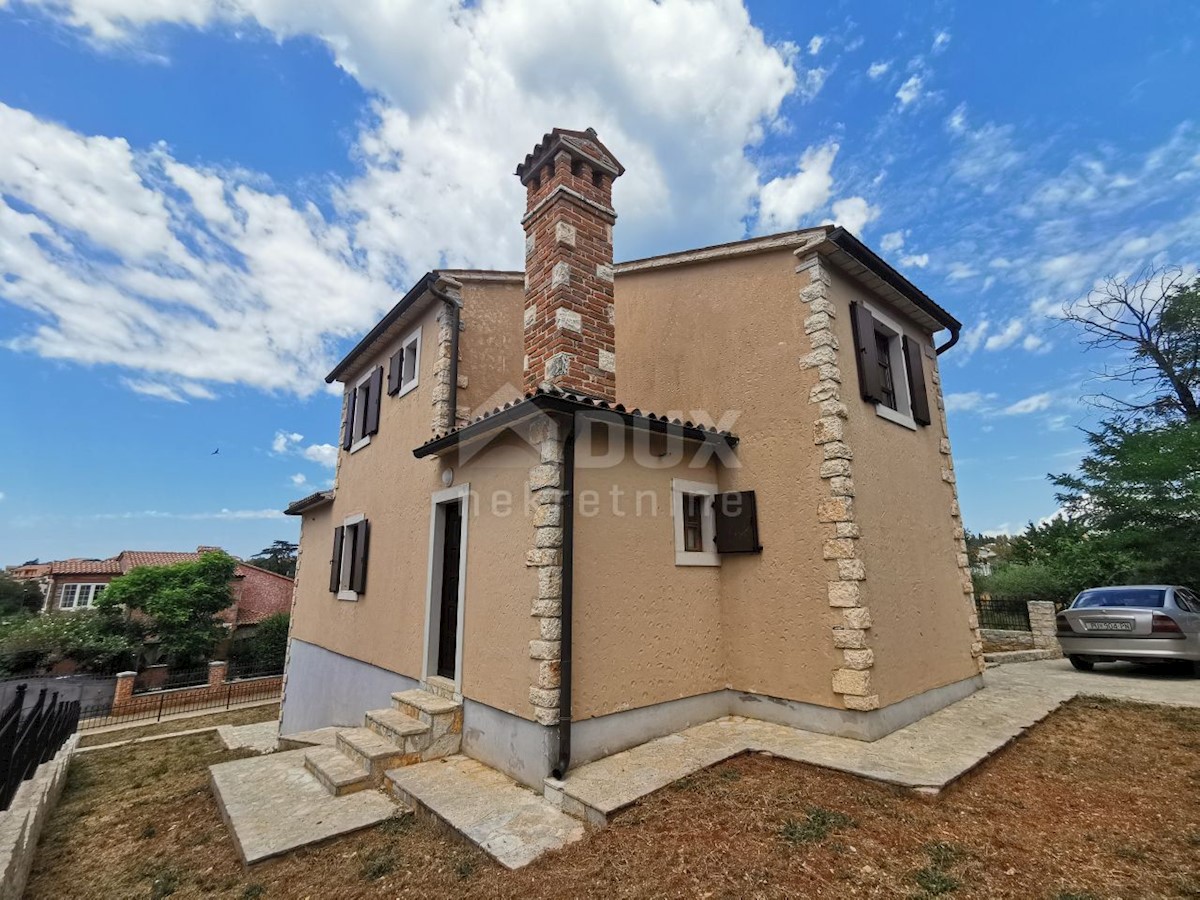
<point x="565" y="614"/>
<point x="453" y="306"/>
<point x="950" y="343"/>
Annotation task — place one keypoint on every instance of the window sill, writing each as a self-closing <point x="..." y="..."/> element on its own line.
<point x="697" y="558"/>
<point x="349" y="596"/>
<point x="886" y="412"/>
<point x="360" y="443"/>
<point x="406" y="389"/>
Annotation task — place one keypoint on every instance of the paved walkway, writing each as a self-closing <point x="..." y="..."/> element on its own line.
<point x="927" y="755"/>
<point x="258" y="736"/>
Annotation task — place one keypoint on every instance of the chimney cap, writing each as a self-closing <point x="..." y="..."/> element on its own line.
<point x="584" y="144"/>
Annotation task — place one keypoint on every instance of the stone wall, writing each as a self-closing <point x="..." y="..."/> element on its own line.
<point x="1042" y="634"/>
<point x="21" y="825"/>
<point x="996" y="640"/>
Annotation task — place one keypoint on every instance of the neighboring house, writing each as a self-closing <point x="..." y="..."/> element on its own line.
<point x="36" y="572"/>
<point x="511" y="527"/>
<point x="78" y="583"/>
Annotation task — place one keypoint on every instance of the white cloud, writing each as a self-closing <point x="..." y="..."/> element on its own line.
<point x="878" y="70"/>
<point x="854" y="213"/>
<point x="910" y="92"/>
<point x="287" y="443"/>
<point x="940" y="41"/>
<point x="965" y="401"/>
<point x="915" y="260"/>
<point x="1035" y="343"/>
<point x="785" y="200"/>
<point x="451" y="119"/>
<point x="892" y="241"/>
<point x="1032" y="404"/>
<point x="815" y="44"/>
<point x="959" y="271"/>
<point x="982" y="154"/>
<point x="299" y="479"/>
<point x="811" y="82"/>
<point x="1007" y="337"/>
<point x="323" y="454"/>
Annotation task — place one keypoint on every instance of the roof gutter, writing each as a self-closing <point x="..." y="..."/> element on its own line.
<point x="845" y="241"/>
<point x="406" y="303"/>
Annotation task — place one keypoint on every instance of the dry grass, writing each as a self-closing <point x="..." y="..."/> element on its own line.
<point x="245" y="716"/>
<point x="1101" y="800"/>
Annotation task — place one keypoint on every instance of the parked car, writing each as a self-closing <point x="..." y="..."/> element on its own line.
<point x="1132" y="623"/>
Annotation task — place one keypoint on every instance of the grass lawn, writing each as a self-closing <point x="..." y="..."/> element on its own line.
<point x="1102" y="800"/>
<point x="244" y="716"/>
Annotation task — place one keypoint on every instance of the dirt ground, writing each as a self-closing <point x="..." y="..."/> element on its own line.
<point x="1101" y="800"/>
<point x="244" y="716"/>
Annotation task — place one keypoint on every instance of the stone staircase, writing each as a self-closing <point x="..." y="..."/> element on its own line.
<point x="421" y="725"/>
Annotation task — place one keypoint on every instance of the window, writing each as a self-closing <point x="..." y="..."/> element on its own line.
<point x="79" y="596"/>
<point x="348" y="565"/>
<point x="891" y="371"/>
<point x="405" y="365"/>
<point x="887" y="387"/>
<point x="695" y="529"/>
<point x="1138" y="598"/>
<point x="362" y="411"/>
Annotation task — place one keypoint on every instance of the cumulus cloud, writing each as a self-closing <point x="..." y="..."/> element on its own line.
<point x="965" y="401"/>
<point x="785" y="200"/>
<point x="209" y="277"/>
<point x="940" y="41"/>
<point x="878" y="70"/>
<point x="815" y="44"/>
<point x="1005" y="337"/>
<point x="911" y="90"/>
<point x="854" y="213"/>
<point x="915" y="260"/>
<point x="322" y="454"/>
<point x="892" y="241"/>
<point x="289" y="443"/>
<point x="299" y="479"/>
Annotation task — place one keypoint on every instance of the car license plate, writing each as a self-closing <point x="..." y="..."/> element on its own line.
<point x="1108" y="626"/>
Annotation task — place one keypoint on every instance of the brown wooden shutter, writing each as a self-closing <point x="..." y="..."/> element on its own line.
<point x="335" y="564"/>
<point x="735" y="517"/>
<point x="358" y="576"/>
<point x="395" y="368"/>
<point x="866" y="353"/>
<point x="916" y="381"/>
<point x="374" y="392"/>
<point x="348" y="425"/>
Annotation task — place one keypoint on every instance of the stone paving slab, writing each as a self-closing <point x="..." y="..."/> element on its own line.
<point x="926" y="755"/>
<point x="508" y="821"/>
<point x="259" y="736"/>
<point x="323" y="737"/>
<point x="272" y="805"/>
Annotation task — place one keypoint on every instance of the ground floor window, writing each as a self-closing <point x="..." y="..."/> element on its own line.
<point x="79" y="596"/>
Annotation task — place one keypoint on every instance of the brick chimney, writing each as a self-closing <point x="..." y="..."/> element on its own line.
<point x="570" y="339"/>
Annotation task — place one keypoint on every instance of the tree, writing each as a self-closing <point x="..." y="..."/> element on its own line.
<point x="19" y="596"/>
<point x="180" y="602"/>
<point x="1154" y="318"/>
<point x="266" y="648"/>
<point x="96" y="641"/>
<point x="280" y="557"/>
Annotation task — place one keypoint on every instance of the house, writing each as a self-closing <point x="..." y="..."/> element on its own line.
<point x="36" y="572"/>
<point x="76" y="584"/>
<point x="595" y="503"/>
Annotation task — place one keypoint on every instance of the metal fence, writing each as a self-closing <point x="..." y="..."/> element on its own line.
<point x="1003" y="614"/>
<point x="153" y="707"/>
<point x="31" y="737"/>
<point x="253" y="668"/>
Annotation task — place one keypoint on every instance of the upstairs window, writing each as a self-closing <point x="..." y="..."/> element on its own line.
<point x="404" y="366"/>
<point x="348" y="564"/>
<point x="79" y="596"/>
<point x="891" y="371"/>
<point x="362" y="411"/>
<point x="693" y="526"/>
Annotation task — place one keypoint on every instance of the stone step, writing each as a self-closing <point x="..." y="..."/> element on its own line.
<point x="427" y="707"/>
<point x="441" y="687"/>
<point x="338" y="773"/>
<point x="371" y="752"/>
<point x="404" y="731"/>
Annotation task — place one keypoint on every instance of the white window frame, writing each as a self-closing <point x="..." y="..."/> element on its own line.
<point x="902" y="415"/>
<point x="360" y="414"/>
<point x="708" y="524"/>
<point x="83" y="596"/>
<point x="344" y="593"/>
<point x="413" y="340"/>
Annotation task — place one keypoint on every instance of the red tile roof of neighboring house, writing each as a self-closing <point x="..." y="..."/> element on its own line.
<point x="258" y="593"/>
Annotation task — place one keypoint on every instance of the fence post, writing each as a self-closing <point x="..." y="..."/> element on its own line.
<point x="1043" y="626"/>
<point x="217" y="670"/>
<point x="161" y="699"/>
<point x="124" y="692"/>
<point x="228" y="694"/>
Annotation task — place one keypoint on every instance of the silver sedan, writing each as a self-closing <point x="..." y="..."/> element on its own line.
<point x="1134" y="623"/>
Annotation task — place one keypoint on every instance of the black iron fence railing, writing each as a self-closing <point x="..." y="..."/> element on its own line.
<point x="31" y="737"/>
<point x="152" y="707"/>
<point x="242" y="669"/>
<point x="1003" y="614"/>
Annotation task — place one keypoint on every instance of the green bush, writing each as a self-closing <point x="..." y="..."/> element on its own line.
<point x="96" y="641"/>
<point x="266" y="647"/>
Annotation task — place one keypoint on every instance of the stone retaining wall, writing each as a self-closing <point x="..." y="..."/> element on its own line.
<point x="996" y="640"/>
<point x="21" y="825"/>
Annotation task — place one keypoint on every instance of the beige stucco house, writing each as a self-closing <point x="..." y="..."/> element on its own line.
<point x="595" y="503"/>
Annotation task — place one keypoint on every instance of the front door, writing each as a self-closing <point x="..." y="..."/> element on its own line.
<point x="447" y="654"/>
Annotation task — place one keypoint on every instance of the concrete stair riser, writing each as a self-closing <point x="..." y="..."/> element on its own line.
<point x="373" y="754"/>
<point x="336" y="772"/>
<point x="402" y="730"/>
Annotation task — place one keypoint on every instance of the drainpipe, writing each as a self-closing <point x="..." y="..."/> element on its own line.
<point x="454" y="308"/>
<point x="559" y="768"/>
<point x="950" y="343"/>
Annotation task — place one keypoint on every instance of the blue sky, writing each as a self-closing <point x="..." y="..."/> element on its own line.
<point x="203" y="204"/>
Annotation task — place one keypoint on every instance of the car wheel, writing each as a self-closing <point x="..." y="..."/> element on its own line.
<point x="1083" y="665"/>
